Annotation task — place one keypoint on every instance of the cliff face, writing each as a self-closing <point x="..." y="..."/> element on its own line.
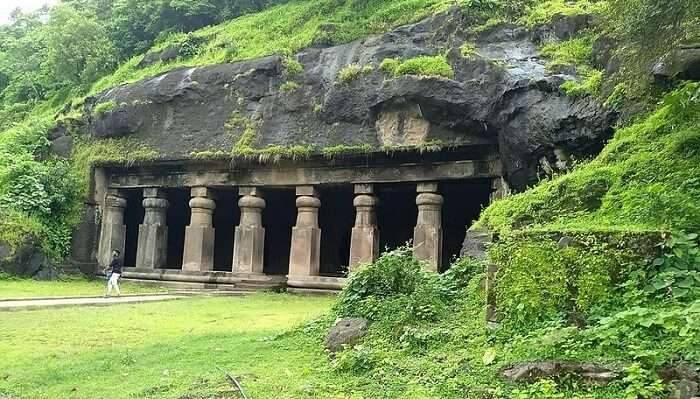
<point x="501" y="93"/>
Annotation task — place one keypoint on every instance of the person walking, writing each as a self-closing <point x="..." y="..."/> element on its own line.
<point x="115" y="272"/>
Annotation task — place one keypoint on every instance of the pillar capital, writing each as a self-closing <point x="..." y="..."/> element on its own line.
<point x="307" y="191"/>
<point x="114" y="200"/>
<point x="362" y="188"/>
<point x="204" y="192"/>
<point x="427" y="187"/>
<point x="248" y="190"/>
<point x="154" y="192"/>
<point x="250" y="201"/>
<point x="305" y="201"/>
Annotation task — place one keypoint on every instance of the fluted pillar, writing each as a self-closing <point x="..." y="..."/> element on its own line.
<point x="364" y="241"/>
<point x="249" y="241"/>
<point x="305" y="252"/>
<point x="199" y="235"/>
<point x="427" y="235"/>
<point x="113" y="230"/>
<point x="152" y="249"/>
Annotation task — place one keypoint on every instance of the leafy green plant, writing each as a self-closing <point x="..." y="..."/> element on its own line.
<point x="291" y="66"/>
<point x="426" y="66"/>
<point x="677" y="271"/>
<point x="590" y="85"/>
<point x="349" y="73"/>
<point x="641" y="383"/>
<point x="468" y="50"/>
<point x="390" y="65"/>
<point x="289" y="86"/>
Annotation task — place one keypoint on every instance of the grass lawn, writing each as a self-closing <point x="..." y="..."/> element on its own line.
<point x="161" y="350"/>
<point x="26" y="288"/>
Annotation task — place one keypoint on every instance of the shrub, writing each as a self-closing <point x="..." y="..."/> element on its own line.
<point x="424" y="66"/>
<point x="349" y="73"/>
<point x="390" y="65"/>
<point x="590" y="85"/>
<point x="103" y="108"/>
<point x="292" y="67"/>
<point x="289" y="86"/>
<point x="468" y="50"/>
<point x="395" y="287"/>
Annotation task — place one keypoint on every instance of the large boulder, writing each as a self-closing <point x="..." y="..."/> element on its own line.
<point x="502" y="96"/>
<point x="28" y="260"/>
<point x="345" y="332"/>
<point x="681" y="64"/>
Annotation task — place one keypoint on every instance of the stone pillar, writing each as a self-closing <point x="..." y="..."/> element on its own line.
<point x="305" y="251"/>
<point x="249" y="241"/>
<point x="364" y="241"/>
<point x="427" y="236"/>
<point x="499" y="189"/>
<point x="113" y="231"/>
<point x="152" y="251"/>
<point x="199" y="235"/>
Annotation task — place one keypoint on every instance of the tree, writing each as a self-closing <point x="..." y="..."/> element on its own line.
<point x="79" y="50"/>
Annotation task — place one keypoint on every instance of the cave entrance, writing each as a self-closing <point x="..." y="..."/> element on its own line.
<point x="463" y="202"/>
<point x="336" y="218"/>
<point x="279" y="217"/>
<point x="396" y="215"/>
<point x="226" y="217"/>
<point x="133" y="217"/>
<point x="177" y="219"/>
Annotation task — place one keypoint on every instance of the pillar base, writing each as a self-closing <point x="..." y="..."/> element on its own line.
<point x="305" y="252"/>
<point x="249" y="250"/>
<point x="199" y="249"/>
<point x="364" y="245"/>
<point x="427" y="246"/>
<point x="152" y="249"/>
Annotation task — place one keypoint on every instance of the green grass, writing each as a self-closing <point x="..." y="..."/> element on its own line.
<point x="24" y="288"/>
<point x="160" y="350"/>
<point x="284" y="29"/>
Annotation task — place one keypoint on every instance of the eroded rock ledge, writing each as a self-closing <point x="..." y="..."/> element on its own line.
<point x="501" y="96"/>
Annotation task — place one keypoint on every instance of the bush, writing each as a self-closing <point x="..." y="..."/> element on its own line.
<point x="292" y="67"/>
<point x="426" y="66"/>
<point x="289" y="86"/>
<point x="349" y="73"/>
<point x="103" y="108"/>
<point x="395" y="287"/>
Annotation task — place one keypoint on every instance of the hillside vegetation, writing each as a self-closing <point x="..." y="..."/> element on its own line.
<point x="600" y="263"/>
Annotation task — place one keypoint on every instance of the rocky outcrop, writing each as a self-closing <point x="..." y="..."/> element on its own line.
<point x="345" y="332"/>
<point x="533" y="371"/>
<point x="681" y="64"/>
<point x="502" y="96"/>
<point x="27" y="261"/>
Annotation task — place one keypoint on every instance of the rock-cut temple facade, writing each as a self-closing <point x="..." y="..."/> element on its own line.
<point x="388" y="160"/>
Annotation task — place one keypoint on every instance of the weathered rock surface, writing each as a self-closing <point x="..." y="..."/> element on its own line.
<point x="533" y="371"/>
<point x="27" y="261"/>
<point x="502" y="97"/>
<point x="167" y="54"/>
<point x="476" y="242"/>
<point x="683" y="380"/>
<point x="345" y="332"/>
<point x="681" y="64"/>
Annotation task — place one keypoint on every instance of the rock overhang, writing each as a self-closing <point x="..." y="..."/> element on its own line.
<point x="503" y="96"/>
